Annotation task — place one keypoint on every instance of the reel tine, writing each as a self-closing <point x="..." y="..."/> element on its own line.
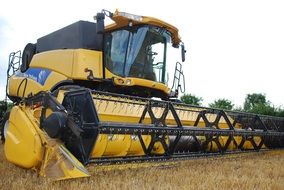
<point x="127" y="105"/>
<point x="132" y="107"/>
<point x="114" y="106"/>
<point x="107" y="102"/>
<point x="99" y="102"/>
<point x="122" y="104"/>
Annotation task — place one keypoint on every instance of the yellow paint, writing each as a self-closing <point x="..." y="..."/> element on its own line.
<point x="126" y="111"/>
<point x="122" y="21"/>
<point x="70" y="62"/>
<point x="60" y="164"/>
<point x="100" y="146"/>
<point x="17" y="85"/>
<point x="68" y="65"/>
<point x="53" y="79"/>
<point x="87" y="59"/>
<point x="23" y="145"/>
<point x="28" y="146"/>
<point x="137" y="82"/>
<point x="60" y="61"/>
<point x="23" y="87"/>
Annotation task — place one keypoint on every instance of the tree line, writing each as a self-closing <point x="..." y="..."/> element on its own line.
<point x="253" y="103"/>
<point x="4" y="106"/>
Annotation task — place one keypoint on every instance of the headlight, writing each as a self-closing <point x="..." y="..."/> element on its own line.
<point x="131" y="16"/>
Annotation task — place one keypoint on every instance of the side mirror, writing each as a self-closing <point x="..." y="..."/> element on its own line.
<point x="100" y="18"/>
<point x="183" y="51"/>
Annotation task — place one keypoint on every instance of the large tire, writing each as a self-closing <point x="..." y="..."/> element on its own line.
<point x="4" y="126"/>
<point x="27" y="56"/>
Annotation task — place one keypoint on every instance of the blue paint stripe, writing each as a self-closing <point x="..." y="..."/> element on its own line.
<point x="36" y="74"/>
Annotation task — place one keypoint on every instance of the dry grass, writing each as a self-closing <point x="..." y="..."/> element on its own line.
<point x="263" y="170"/>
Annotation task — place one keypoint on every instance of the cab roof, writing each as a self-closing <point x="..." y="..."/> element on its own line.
<point x="122" y="19"/>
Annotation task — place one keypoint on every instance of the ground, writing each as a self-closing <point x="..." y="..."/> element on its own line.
<point x="262" y="170"/>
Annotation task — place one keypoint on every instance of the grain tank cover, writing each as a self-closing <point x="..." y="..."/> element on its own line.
<point x="81" y="34"/>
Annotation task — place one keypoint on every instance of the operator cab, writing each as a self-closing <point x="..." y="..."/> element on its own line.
<point x="138" y="52"/>
<point x="135" y="52"/>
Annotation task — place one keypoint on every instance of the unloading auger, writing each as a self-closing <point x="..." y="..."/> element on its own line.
<point x="84" y="94"/>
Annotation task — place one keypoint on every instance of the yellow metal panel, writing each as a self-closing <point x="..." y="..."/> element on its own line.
<point x="17" y="86"/>
<point x="109" y="74"/>
<point x="135" y="147"/>
<point x="100" y="146"/>
<point x="87" y="59"/>
<point x="60" y="164"/>
<point x="70" y="62"/>
<point x="120" y="81"/>
<point x="126" y="110"/>
<point x="60" y="61"/>
<point x="64" y="64"/>
<point x="23" y="145"/>
<point x="26" y="145"/>
<point x="122" y="21"/>
<point x="118" y="145"/>
<point x="122" y="145"/>
<point x="53" y="79"/>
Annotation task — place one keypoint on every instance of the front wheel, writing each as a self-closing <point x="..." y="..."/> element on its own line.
<point x="4" y="126"/>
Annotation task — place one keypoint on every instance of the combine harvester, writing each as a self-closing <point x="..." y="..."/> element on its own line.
<point x="90" y="93"/>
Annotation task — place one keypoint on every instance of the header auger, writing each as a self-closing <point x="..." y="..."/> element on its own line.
<point x="83" y="94"/>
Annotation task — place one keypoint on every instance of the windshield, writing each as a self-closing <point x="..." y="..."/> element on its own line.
<point x="138" y="52"/>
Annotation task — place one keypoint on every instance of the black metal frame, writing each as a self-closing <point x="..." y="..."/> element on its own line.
<point x="81" y="128"/>
<point x="13" y="66"/>
<point x="178" y="76"/>
<point x="159" y="130"/>
<point x="84" y="126"/>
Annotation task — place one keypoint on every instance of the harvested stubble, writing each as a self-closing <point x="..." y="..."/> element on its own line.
<point x="263" y="170"/>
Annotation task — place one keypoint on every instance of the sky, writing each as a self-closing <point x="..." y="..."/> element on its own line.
<point x="234" y="47"/>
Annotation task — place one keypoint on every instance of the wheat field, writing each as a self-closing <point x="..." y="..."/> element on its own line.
<point x="263" y="170"/>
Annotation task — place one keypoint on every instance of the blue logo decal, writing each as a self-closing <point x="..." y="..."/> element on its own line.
<point x="36" y="74"/>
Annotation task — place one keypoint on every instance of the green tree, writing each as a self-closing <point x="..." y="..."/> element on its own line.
<point x="3" y="108"/>
<point x="222" y="104"/>
<point x="257" y="103"/>
<point x="238" y="108"/>
<point x="263" y="109"/>
<point x="191" y="99"/>
<point x="255" y="100"/>
<point x="279" y="112"/>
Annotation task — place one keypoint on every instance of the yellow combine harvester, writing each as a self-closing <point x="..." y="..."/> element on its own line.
<point x="90" y="93"/>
